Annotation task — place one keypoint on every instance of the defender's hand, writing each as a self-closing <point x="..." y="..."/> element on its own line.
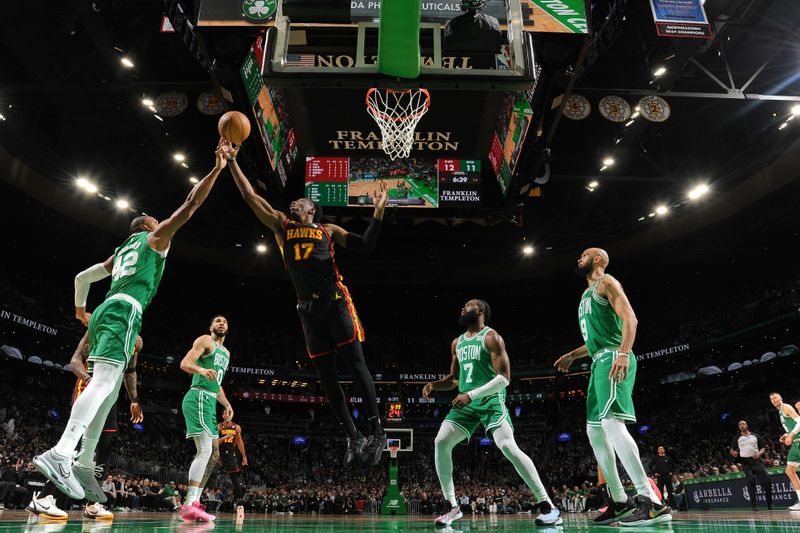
<point x="381" y="199"/>
<point x="563" y="363"/>
<point x="427" y="390"/>
<point x="461" y="400"/>
<point x="619" y="369"/>
<point x="137" y="415"/>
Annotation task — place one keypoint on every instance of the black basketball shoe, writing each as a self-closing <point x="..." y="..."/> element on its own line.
<point x="355" y="448"/>
<point x="616" y="512"/>
<point x="373" y="450"/>
<point x="647" y="513"/>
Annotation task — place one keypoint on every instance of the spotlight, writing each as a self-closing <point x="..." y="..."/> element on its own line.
<point x="603" y="168"/>
<point x="2" y="117"/>
<point x="122" y="204"/>
<point x="91" y="188"/>
<point x="159" y="118"/>
<point x="661" y="210"/>
<point x="193" y="180"/>
<point x="148" y="102"/>
<point x="527" y="249"/>
<point x="628" y="123"/>
<point x="127" y="63"/>
<point x="635" y="114"/>
<point x="179" y="157"/>
<point x="782" y="126"/>
<point x="261" y="248"/>
<point x="184" y="165"/>
<point x="82" y="183"/>
<point x="608" y="161"/>
<point x="594" y="184"/>
<point x="796" y="109"/>
<point x="660" y="71"/>
<point x="151" y="108"/>
<point x="698" y="191"/>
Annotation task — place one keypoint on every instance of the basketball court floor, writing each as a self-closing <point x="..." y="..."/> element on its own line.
<point x="708" y="522"/>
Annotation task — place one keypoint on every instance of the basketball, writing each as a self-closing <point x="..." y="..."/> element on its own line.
<point x="234" y="127"/>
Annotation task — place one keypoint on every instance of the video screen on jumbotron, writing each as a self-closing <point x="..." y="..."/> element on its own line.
<point x="413" y="182"/>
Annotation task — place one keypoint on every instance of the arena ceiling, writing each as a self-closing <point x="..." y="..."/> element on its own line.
<point x="72" y="109"/>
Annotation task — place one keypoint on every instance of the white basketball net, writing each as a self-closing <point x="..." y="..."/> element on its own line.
<point x="397" y="113"/>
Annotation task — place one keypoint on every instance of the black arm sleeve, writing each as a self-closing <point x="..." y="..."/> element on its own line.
<point x="366" y="242"/>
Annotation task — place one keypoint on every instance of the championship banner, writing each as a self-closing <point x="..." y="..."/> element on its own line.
<point x="729" y="491"/>
<point x="681" y="18"/>
<point x="539" y="16"/>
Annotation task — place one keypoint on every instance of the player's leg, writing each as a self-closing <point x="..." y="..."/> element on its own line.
<point x="450" y="433"/>
<point x="199" y="413"/>
<point x="212" y="462"/>
<point x="503" y="436"/>
<point x="763" y="480"/>
<point x="751" y="484"/>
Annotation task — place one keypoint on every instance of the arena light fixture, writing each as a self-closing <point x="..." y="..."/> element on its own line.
<point x="148" y="102"/>
<point x="91" y="188"/>
<point x="261" y="248"/>
<point x="796" y="109"/>
<point x="661" y="210"/>
<point x="2" y="117"/>
<point x="527" y="249"/>
<point x="159" y="118"/>
<point x="122" y="204"/>
<point x="608" y="161"/>
<point x="179" y="157"/>
<point x="594" y="184"/>
<point x="184" y="165"/>
<point x="782" y="126"/>
<point x="651" y="215"/>
<point x="629" y="123"/>
<point x="82" y="182"/>
<point x="151" y="108"/>
<point x="126" y="62"/>
<point x="660" y="71"/>
<point x="635" y="114"/>
<point x="193" y="180"/>
<point x="698" y="191"/>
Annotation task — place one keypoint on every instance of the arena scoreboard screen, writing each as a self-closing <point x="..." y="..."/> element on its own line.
<point x="394" y="411"/>
<point x="420" y="183"/>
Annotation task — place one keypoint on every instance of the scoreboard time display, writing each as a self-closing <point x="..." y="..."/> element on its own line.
<point x="459" y="182"/>
<point x="394" y="411"/>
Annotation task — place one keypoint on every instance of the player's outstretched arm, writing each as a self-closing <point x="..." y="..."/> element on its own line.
<point x="365" y="242"/>
<point x="131" y="385"/>
<point x="563" y="363"/>
<point x="502" y="366"/>
<point x="611" y="289"/>
<point x="202" y="345"/>
<point x="78" y="360"/>
<point x="84" y="280"/>
<point x="269" y="216"/>
<point x="450" y="381"/>
<point x="161" y="237"/>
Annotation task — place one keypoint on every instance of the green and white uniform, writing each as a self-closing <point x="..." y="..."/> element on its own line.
<point x="602" y="332"/>
<point x="200" y="402"/>
<point x="115" y="323"/>
<point x="475" y="370"/>
<point x="788" y="423"/>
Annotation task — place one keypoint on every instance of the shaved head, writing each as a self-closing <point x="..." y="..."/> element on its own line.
<point x="602" y="254"/>
<point x="590" y="260"/>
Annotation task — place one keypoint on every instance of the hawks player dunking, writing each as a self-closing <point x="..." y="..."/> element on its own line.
<point x="230" y="441"/>
<point x="327" y="313"/>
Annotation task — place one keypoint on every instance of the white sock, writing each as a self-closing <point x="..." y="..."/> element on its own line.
<point x="628" y="453"/>
<point x="445" y="441"/>
<point x="192" y="495"/>
<point x="504" y="439"/>
<point x="604" y="453"/>
<point x="798" y="495"/>
<point x="85" y="408"/>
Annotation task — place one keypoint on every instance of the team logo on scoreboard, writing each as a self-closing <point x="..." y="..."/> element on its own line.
<point x="614" y="108"/>
<point x="210" y="103"/>
<point x="172" y="103"/>
<point x="654" y="108"/>
<point x="577" y="107"/>
<point x="259" y="10"/>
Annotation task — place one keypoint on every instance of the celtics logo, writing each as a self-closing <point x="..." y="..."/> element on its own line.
<point x="259" y="10"/>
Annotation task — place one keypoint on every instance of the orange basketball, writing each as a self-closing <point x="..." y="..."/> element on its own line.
<point x="234" y="127"/>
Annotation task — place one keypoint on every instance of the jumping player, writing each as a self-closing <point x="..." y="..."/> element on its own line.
<point x="43" y="504"/>
<point x="327" y="313"/>
<point x="230" y="441"/>
<point x="790" y="419"/>
<point x="207" y="361"/>
<point x="608" y="326"/>
<point x="481" y="370"/>
<point x="135" y="269"/>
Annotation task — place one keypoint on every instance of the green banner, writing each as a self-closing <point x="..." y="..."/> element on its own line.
<point x="569" y="13"/>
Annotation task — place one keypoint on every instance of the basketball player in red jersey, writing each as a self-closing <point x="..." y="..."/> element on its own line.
<point x="327" y="314"/>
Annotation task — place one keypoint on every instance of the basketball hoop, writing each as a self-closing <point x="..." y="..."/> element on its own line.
<point x="393" y="451"/>
<point x="397" y="112"/>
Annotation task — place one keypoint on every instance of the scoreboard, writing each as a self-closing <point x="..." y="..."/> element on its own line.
<point x="459" y="182"/>
<point x="326" y="179"/>
<point x="394" y="411"/>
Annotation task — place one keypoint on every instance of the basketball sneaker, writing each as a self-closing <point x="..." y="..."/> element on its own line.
<point x="239" y="512"/>
<point x="374" y="449"/>
<point x="196" y="513"/>
<point x="97" y="511"/>
<point x="616" y="512"/>
<point x="449" y="517"/>
<point x="58" y="469"/>
<point x="549" y="515"/>
<point x="91" y="488"/>
<point x="45" y="507"/>
<point x="795" y="507"/>
<point x="647" y="513"/>
<point x="355" y="448"/>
